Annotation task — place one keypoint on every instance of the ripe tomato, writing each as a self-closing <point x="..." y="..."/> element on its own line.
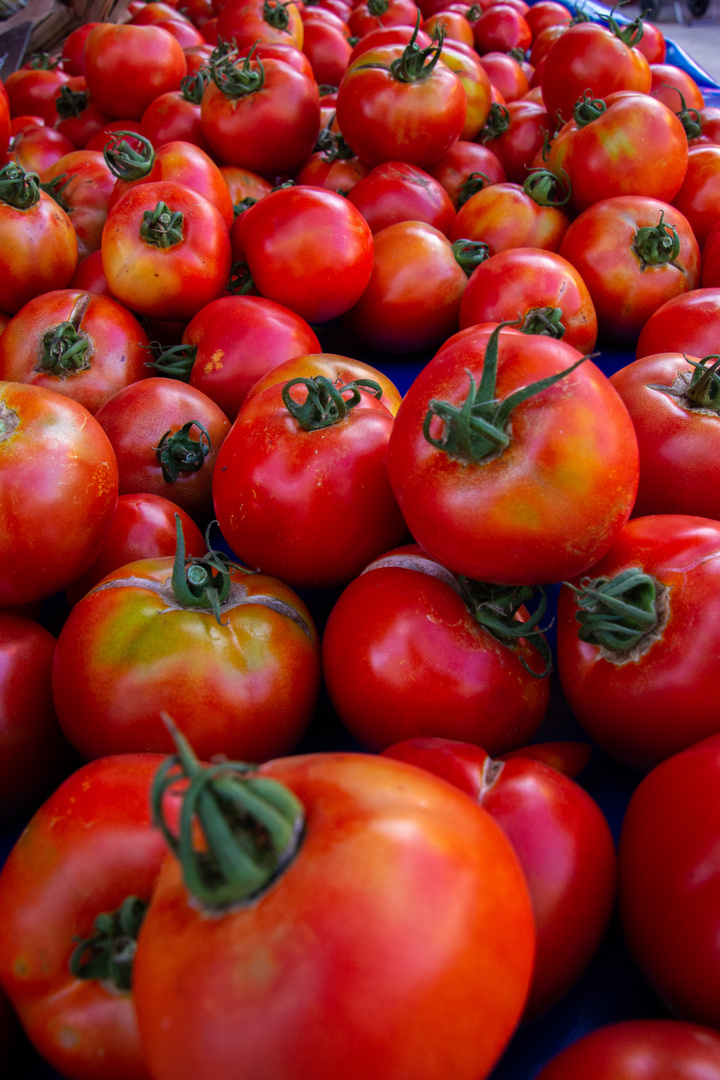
<point x="87" y="850"/>
<point x="127" y="66"/>
<point x="58" y="489"/>
<point x="688" y="323"/>
<point x="419" y="642"/>
<point x="389" y="855"/>
<point x="396" y="191"/>
<point x="248" y="21"/>
<point x="338" y="369"/>
<point x="81" y="184"/>
<point x="515" y="133"/>
<point x="235" y="658"/>
<point x="303" y="493"/>
<point x="520" y="506"/>
<point x="635" y="687"/>
<point x="510" y="216"/>
<point x="466" y="168"/>
<point x="669" y="881"/>
<point x="699" y="197"/>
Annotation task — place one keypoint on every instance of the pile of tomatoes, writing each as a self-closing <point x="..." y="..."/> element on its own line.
<point x="342" y="578"/>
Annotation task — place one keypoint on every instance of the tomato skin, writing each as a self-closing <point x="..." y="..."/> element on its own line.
<point x="657" y="702"/>
<point x="688" y="323"/>
<point x="669" y="883"/>
<point x="513" y="282"/>
<point x="308" y="249"/>
<point x="699" y="197"/>
<point x="679" y="445"/>
<point x="135" y="420"/>
<point x="496" y="520"/>
<point x="85" y="850"/>
<point x="117" y="346"/>
<point x="600" y="243"/>
<point x="640" y="1050"/>
<point x="386" y="849"/>
<point x="414" y="294"/>
<point x="58" y="489"/>
<point x="171" y="283"/>
<point x="427" y="668"/>
<point x="246" y="687"/>
<point x="44" y="226"/>
<point x="563" y="842"/>
<point x="311" y="507"/>
<point x="240" y="339"/>
<point x="127" y="66"/>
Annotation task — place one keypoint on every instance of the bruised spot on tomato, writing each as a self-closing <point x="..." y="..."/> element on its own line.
<point x="215" y="362"/>
<point x="104" y="479"/>
<point x="68" y="1037"/>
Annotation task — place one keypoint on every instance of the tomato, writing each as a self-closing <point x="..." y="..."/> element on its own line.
<point x="84" y="852"/>
<point x="637" y="689"/>
<point x="33" y="751"/>
<point x="414" y="294"/>
<point x="515" y="133"/>
<point x="420" y="643"/>
<point x="176" y="115"/>
<point x="476" y="82"/>
<point x="165" y="251"/>
<point x="522" y="506"/>
<point x="58" y="489"/>
<point x="73" y="49"/>
<point x="36" y="148"/>
<point x="671" y="399"/>
<point x="710" y="277"/>
<point x="388" y="854"/>
<point x="634" y="254"/>
<point x="456" y="26"/>
<point x="243" y="184"/>
<point x="506" y="76"/>
<point x="143" y="527"/>
<point x="30" y="88"/>
<point x="592" y="57"/>
<point x="328" y="50"/>
<point x="72" y="112"/>
<point x="4" y="126"/>
<point x="501" y="28"/>
<point x="688" y="323"/>
<point x="303" y="493"/>
<point x="127" y="66"/>
<point x="166" y="436"/>
<point x="248" y="21"/>
<point x="306" y="248"/>
<point x="234" y="657"/>
<point x="510" y="216"/>
<point x="639" y="1050"/>
<point x="335" y="167"/>
<point x="398" y="104"/>
<point x="546" y="13"/>
<point x="652" y="44"/>
<point x="260" y="114"/>
<point x="699" y="197"/>
<point x="369" y="14"/>
<point x="628" y="144"/>
<point x="81" y="184"/>
<point x="31" y="221"/>
<point x="75" y="343"/>
<point x="390" y="35"/>
<point x="667" y="80"/>
<point x="543" y="813"/>
<point x="395" y="191"/>
<point x="466" y="168"/>
<point x="669" y="880"/>
<point x="338" y="369"/>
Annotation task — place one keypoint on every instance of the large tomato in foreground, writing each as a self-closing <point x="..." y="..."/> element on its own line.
<point x="390" y="934"/>
<point x="58" y="490"/>
<point x="513" y="466"/>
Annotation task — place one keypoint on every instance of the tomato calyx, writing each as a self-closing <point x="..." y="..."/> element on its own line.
<point x="631" y="33"/>
<point x="696" y="391"/>
<point x="587" y="108"/>
<point x="546" y="188"/>
<point x="656" y="245"/>
<point x="108" y="954"/>
<point x="234" y="81"/>
<point x="476" y="431"/>
<point x="495" y="608"/>
<point x="175" y="362"/>
<point x="473" y="183"/>
<point x="275" y="14"/>
<point x="497" y="123"/>
<point x="377" y="7"/>
<point x="18" y="188"/>
<point x="71" y="102"/>
<point x="331" y="144"/>
<point x="162" y="227"/>
<point x="546" y="321"/>
<point x="689" y="118"/>
<point x="414" y="64"/>
<point x="178" y="452"/>
<point x="470" y="253"/>
<point x="240" y="207"/>
<point x="200" y="582"/>
<point x="622" y="615"/>
<point x="192" y="87"/>
<point x="240" y="282"/>
<point x="325" y="404"/>
<point x="125" y="161"/>
<point x="251" y="826"/>
<point x="55" y="188"/>
<point x="44" y="62"/>
<point x="65" y="349"/>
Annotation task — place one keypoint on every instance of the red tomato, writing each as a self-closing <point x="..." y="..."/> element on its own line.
<point x="175" y="116"/>
<point x="306" y="248"/>
<point x="328" y="50"/>
<point x="127" y="66"/>
<point x="248" y="21"/>
<point x="85" y="851"/>
<point x="540" y="287"/>
<point x="667" y="80"/>
<point x="634" y="254"/>
<point x="518" y="507"/>
<point x="143" y="527"/>
<point x="166" y="436"/>
<point x="699" y="197"/>
<point x="36" y="148"/>
<point x="672" y="401"/>
<point x="688" y="323"/>
<point x="669" y="881"/>
<point x="388" y="852"/>
<point x="29" y="89"/>
<point x="81" y="184"/>
<point x="369" y="14"/>
<point x="501" y="28"/>
<point x="406" y="630"/>
<point x="515" y="133"/>
<point x="563" y="842"/>
<point x="395" y="191"/>
<point x="476" y="82"/>
<point x="73" y="50"/>
<point x="510" y="216"/>
<point x="465" y="169"/>
<point x="165" y="251"/>
<point x="640" y="1050"/>
<point x="58" y="489"/>
<point x="79" y="344"/>
<point x="414" y="294"/>
<point x="546" y="13"/>
<point x="303" y="493"/>
<point x="235" y="659"/>
<point x="710" y="277"/>
<point x="338" y="369"/>
<point x="636" y="688"/>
